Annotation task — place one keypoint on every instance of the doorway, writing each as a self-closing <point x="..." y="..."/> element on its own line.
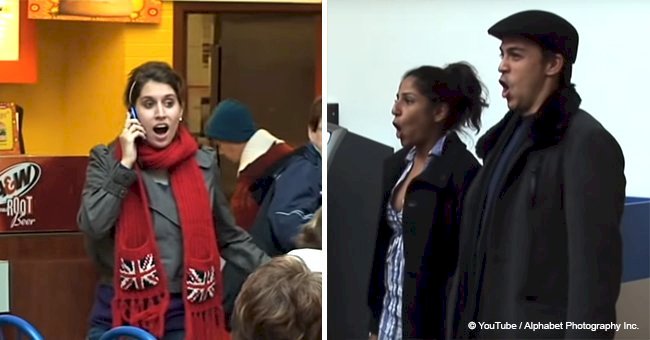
<point x="264" y="55"/>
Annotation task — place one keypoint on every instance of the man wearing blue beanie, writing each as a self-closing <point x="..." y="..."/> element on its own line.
<point x="232" y="129"/>
<point x="231" y="122"/>
<point x="278" y="188"/>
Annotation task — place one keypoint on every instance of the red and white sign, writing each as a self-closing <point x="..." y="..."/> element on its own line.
<point x="40" y="193"/>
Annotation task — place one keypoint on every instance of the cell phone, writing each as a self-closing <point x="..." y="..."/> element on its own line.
<point x="133" y="114"/>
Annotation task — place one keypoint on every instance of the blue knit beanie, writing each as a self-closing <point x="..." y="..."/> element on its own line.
<point x="231" y="121"/>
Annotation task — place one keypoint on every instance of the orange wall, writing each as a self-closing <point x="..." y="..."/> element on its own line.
<point x="83" y="67"/>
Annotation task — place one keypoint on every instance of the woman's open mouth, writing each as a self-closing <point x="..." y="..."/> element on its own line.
<point x="161" y="129"/>
<point x="398" y="132"/>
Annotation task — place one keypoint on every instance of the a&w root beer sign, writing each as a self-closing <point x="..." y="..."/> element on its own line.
<point x="15" y="201"/>
<point x="40" y="193"/>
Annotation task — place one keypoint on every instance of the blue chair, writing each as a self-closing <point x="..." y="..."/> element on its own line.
<point x="23" y="326"/>
<point x="134" y="332"/>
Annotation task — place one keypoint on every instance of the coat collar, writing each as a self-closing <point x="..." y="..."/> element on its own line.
<point x="436" y="150"/>
<point x="442" y="166"/>
<point x="439" y="169"/>
<point x="256" y="146"/>
<point x="548" y="127"/>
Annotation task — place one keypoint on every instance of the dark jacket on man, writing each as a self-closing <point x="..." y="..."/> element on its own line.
<point x="431" y="213"/>
<point x="548" y="248"/>
<point x="294" y="184"/>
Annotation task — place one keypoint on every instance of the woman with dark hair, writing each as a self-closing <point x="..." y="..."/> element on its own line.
<point x="156" y="221"/>
<point x="424" y="183"/>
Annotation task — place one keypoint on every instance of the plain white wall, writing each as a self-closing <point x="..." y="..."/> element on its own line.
<point x="372" y="43"/>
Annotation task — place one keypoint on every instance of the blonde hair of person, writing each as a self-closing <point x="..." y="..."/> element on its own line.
<point x="281" y="300"/>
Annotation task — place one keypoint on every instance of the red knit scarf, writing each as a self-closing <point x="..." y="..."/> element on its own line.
<point x="142" y="296"/>
<point x="243" y="204"/>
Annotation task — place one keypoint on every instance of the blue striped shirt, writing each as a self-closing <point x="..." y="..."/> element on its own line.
<point x="390" y="325"/>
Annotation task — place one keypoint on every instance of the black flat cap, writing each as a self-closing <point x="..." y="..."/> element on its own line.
<point x="549" y="30"/>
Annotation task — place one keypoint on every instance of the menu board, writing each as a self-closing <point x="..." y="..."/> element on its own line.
<point x="17" y="66"/>
<point x="9" y="29"/>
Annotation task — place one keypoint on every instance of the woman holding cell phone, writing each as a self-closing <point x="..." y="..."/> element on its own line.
<point x="157" y="222"/>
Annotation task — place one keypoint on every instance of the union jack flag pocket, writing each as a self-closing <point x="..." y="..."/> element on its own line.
<point x="201" y="281"/>
<point x="138" y="274"/>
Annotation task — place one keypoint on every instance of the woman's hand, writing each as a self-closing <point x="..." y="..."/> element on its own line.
<point x="132" y="131"/>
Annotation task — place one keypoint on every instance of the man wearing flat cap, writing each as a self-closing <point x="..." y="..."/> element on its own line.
<point x="540" y="243"/>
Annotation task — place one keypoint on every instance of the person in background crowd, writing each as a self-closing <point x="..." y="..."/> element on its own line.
<point x="298" y="188"/>
<point x="309" y="244"/>
<point x="291" y="193"/>
<point x="282" y="300"/>
<point x="263" y="159"/>
<point x="233" y="131"/>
